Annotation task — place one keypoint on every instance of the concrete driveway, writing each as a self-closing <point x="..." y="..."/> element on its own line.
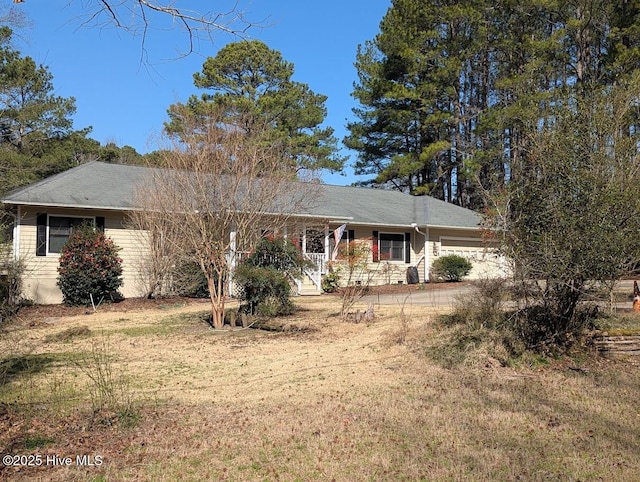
<point x="446" y="297"/>
<point x="433" y="297"/>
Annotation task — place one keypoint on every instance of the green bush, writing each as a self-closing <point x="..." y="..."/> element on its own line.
<point x="451" y="267"/>
<point x="189" y="280"/>
<point x="331" y="281"/>
<point x="264" y="277"/>
<point x="89" y="268"/>
<point x="264" y="287"/>
<point x="277" y="253"/>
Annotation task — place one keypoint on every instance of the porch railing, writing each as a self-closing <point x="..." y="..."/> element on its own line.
<point x="317" y="268"/>
<point x="315" y="271"/>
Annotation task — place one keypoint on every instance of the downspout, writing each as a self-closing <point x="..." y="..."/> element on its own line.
<point x="426" y="250"/>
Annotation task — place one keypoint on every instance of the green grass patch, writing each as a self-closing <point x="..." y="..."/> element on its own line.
<point x="145" y="330"/>
<point x="32" y="382"/>
<point x="173" y="306"/>
<point x="165" y="326"/>
<point x="16" y="367"/>
<point x="37" y="441"/>
<point x="623" y="324"/>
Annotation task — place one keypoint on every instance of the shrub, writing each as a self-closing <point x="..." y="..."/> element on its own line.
<point x="354" y="257"/>
<point x="10" y="288"/>
<point x="331" y="281"/>
<point x="479" y="329"/>
<point x="451" y="267"/>
<point x="189" y="280"/>
<point x="264" y="277"/>
<point x="264" y="287"/>
<point x="90" y="269"/>
<point x="277" y="253"/>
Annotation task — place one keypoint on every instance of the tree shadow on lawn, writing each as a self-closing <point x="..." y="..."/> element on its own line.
<point x="14" y="367"/>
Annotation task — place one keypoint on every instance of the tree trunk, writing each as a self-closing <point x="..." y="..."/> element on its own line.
<point x="217" y="304"/>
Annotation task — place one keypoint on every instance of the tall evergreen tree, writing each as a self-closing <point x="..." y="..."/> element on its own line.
<point x="422" y="84"/>
<point x="29" y="113"/>
<point x="623" y="55"/>
<point x="250" y="80"/>
<point x="450" y="90"/>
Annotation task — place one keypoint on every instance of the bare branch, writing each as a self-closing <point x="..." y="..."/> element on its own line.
<point x="138" y="17"/>
<point x="217" y="188"/>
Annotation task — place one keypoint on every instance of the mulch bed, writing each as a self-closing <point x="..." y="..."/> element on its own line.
<point x="137" y="304"/>
<point x="129" y="304"/>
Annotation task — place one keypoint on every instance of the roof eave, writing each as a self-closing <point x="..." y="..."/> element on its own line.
<point x="66" y="206"/>
<point x="444" y="226"/>
<point x="330" y="219"/>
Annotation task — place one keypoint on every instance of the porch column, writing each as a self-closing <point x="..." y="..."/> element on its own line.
<point x="326" y="242"/>
<point x="16" y="234"/>
<point x="427" y="258"/>
<point x="304" y="238"/>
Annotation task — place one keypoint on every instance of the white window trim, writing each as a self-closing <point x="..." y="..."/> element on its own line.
<point x="404" y="240"/>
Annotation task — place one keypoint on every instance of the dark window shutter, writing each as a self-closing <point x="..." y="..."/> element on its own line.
<point x="352" y="234"/>
<point x="407" y="247"/>
<point x="376" y="256"/>
<point x="100" y="223"/>
<point x="41" y="235"/>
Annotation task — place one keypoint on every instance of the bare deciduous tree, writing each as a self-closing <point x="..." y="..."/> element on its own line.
<point x="139" y="16"/>
<point x="218" y="187"/>
<point x="159" y="258"/>
<point x="354" y="257"/>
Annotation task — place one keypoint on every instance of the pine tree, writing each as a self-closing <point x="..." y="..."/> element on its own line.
<point x="253" y="81"/>
<point x="450" y="91"/>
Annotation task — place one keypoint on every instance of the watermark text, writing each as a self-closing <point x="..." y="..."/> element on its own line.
<point x="49" y="460"/>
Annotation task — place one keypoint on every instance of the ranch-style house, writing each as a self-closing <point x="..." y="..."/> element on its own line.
<point x="404" y="231"/>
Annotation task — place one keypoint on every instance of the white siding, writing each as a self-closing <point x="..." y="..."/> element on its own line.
<point x="387" y="272"/>
<point x="41" y="271"/>
<point x="468" y="244"/>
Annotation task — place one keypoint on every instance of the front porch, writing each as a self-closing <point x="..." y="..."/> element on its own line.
<point x="316" y="246"/>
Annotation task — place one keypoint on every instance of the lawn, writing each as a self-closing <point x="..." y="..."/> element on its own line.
<point x="153" y="394"/>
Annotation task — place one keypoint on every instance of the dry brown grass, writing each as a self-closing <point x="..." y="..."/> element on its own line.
<point x="327" y="400"/>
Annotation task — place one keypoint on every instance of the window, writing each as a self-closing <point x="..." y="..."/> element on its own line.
<point x="61" y="228"/>
<point x="347" y="236"/>
<point x="391" y="247"/>
<point x="54" y="231"/>
<point x="315" y="241"/>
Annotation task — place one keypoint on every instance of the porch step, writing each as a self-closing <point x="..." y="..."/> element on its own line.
<point x="308" y="286"/>
<point x="309" y="291"/>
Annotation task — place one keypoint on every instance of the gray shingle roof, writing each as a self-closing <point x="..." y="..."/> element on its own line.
<point x="98" y="185"/>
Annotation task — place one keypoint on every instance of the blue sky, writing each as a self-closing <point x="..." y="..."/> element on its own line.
<point x="123" y="90"/>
